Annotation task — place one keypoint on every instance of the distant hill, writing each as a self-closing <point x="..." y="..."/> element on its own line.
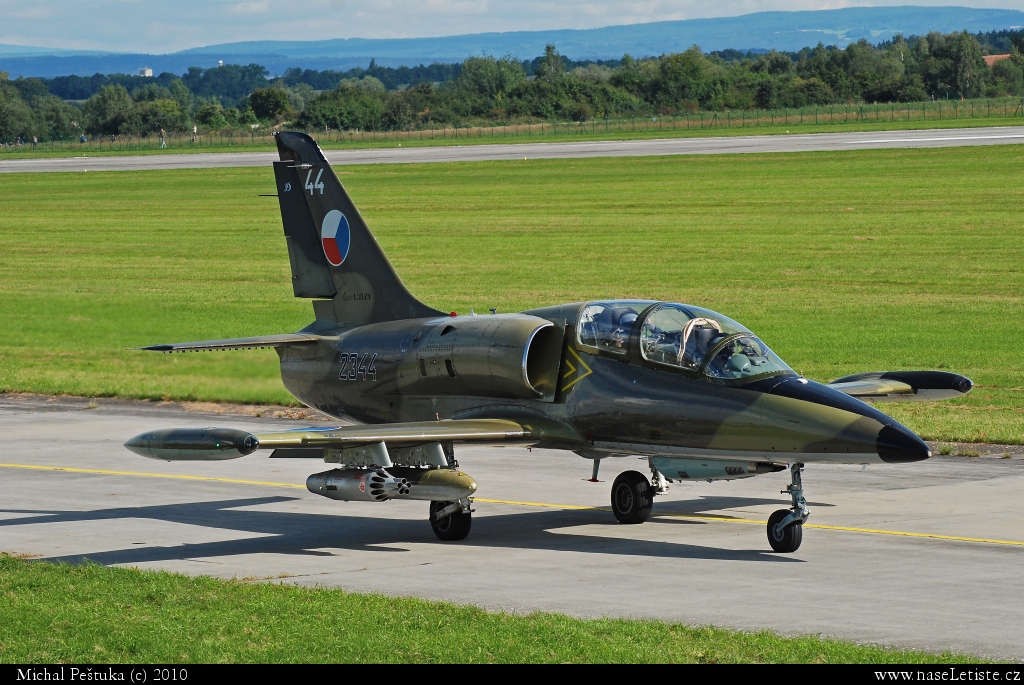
<point x="26" y="51"/>
<point x="759" y="31"/>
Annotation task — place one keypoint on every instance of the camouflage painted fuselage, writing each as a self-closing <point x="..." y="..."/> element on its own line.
<point x="601" y="404"/>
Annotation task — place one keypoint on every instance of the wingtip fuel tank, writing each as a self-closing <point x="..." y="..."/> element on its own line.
<point x="194" y="444"/>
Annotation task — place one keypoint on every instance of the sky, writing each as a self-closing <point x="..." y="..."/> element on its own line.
<point x="157" y="26"/>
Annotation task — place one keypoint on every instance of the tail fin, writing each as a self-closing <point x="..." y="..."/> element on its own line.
<point x="334" y="257"/>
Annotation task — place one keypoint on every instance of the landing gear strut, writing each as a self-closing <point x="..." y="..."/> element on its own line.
<point x="632" y="497"/>
<point x="786" y="526"/>
<point x="659" y="484"/>
<point x="451" y="521"/>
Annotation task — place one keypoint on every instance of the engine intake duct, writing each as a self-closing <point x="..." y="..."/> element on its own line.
<point x="507" y="355"/>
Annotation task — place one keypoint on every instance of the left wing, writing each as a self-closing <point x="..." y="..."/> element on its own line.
<point x="903" y="386"/>
<point x="475" y="430"/>
<point x="212" y="444"/>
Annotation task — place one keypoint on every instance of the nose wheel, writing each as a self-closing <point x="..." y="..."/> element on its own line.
<point x="786" y="526"/>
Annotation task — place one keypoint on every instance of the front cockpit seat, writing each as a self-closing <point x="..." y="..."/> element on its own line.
<point x="613" y="325"/>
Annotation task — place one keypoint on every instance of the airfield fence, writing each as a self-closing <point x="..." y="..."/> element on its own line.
<point x="817" y="115"/>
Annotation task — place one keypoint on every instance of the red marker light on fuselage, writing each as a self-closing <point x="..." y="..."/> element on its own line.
<point x="453" y="314"/>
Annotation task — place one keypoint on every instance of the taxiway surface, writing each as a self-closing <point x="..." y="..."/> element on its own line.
<point x="915" y="575"/>
<point x="517" y="151"/>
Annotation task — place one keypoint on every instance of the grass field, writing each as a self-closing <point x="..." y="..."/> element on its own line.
<point x="842" y="262"/>
<point x="88" y="614"/>
<point x="482" y="135"/>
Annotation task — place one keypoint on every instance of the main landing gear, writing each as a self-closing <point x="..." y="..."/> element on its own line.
<point x="632" y="497"/>
<point x="451" y="521"/>
<point x="786" y="526"/>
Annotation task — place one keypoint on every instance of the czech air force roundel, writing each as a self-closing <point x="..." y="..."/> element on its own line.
<point x="335" y="236"/>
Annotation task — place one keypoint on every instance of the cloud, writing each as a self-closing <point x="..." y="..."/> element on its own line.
<point x="157" y="27"/>
<point x="249" y="8"/>
<point x="29" y="13"/>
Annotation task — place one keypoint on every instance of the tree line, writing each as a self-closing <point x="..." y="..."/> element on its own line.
<point x="551" y="86"/>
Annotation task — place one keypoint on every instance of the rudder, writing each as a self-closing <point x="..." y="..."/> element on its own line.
<point x="334" y="257"/>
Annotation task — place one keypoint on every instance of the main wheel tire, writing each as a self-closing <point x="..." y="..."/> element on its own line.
<point x="789" y="538"/>
<point x="450" y="528"/>
<point x="632" y="498"/>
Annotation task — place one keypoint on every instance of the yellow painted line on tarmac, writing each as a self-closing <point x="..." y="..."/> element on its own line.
<point x="726" y="519"/>
<point x="933" y="536"/>
<point x="851" y="529"/>
<point x="544" y="505"/>
<point x="730" y="519"/>
<point x="143" y="474"/>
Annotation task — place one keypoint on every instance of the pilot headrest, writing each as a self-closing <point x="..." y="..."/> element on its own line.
<point x="701" y="338"/>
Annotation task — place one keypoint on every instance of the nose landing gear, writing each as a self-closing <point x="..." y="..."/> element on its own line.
<point x="786" y="526"/>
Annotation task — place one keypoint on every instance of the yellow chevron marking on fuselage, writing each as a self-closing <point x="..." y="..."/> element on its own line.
<point x="517" y="503"/>
<point x="573" y="369"/>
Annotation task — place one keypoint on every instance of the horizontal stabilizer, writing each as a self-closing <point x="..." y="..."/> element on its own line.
<point x="903" y="386"/>
<point x="258" y="341"/>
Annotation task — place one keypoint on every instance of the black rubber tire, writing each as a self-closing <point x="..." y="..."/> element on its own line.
<point x="451" y="528"/>
<point x="632" y="497"/>
<point x="789" y="539"/>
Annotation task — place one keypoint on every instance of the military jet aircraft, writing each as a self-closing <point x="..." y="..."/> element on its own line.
<point x="693" y="391"/>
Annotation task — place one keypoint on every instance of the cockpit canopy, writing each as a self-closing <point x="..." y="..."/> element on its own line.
<point x="607" y="325"/>
<point x="681" y="336"/>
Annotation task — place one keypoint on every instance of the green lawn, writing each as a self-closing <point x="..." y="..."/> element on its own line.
<point x="842" y="262"/>
<point x="86" y="614"/>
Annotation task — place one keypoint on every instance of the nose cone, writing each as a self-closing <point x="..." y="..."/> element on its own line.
<point x="897" y="444"/>
<point x="875" y="432"/>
